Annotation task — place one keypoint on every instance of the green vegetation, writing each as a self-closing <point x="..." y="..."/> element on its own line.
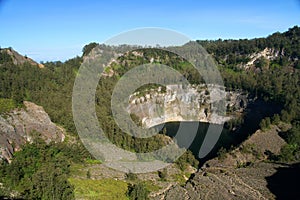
<point x="109" y="189"/>
<point x="131" y="176"/>
<point x="244" y="164"/>
<point x="291" y="151"/>
<point x="179" y="178"/>
<point x="278" y="84"/>
<point x="237" y="51"/>
<point x="163" y="174"/>
<point x="251" y="149"/>
<point x="147" y="87"/>
<point x="222" y="153"/>
<point x="138" y="191"/>
<point x="7" y="105"/>
<point x="4" y="57"/>
<point x="233" y="123"/>
<point x="92" y="161"/>
<point x="42" y="171"/>
<point x="88" y="48"/>
<point x="265" y="123"/>
<point x="50" y="87"/>
<point x="151" y="186"/>
<point x="187" y="159"/>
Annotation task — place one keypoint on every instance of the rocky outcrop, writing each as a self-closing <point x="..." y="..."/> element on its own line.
<point x="267" y="53"/>
<point x="20" y="126"/>
<point x="239" y="174"/>
<point x="241" y="183"/>
<point x="18" y="59"/>
<point x="179" y="103"/>
<point x="258" y="147"/>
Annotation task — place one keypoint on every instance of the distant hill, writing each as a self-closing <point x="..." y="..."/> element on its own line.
<point x="276" y="50"/>
<point x="10" y="55"/>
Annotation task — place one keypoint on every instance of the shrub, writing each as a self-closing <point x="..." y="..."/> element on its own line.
<point x="222" y="153"/>
<point x="131" y="176"/>
<point x="163" y="174"/>
<point x="138" y="192"/>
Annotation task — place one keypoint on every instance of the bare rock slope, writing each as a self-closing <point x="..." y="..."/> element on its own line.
<point x="239" y="174"/>
<point x="17" y="127"/>
<point x="18" y="59"/>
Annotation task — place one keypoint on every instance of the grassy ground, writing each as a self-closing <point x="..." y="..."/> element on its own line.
<point x="93" y="180"/>
<point x="6" y="105"/>
<point x="106" y="189"/>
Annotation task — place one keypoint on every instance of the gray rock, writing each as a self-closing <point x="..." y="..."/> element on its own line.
<point x="191" y="103"/>
<point x="17" y="126"/>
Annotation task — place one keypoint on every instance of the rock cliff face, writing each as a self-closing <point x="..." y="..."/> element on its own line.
<point x="192" y="103"/>
<point x="267" y="53"/>
<point x="17" y="128"/>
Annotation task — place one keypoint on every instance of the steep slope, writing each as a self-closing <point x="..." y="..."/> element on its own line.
<point x="238" y="174"/>
<point x="276" y="50"/>
<point x="16" y="58"/>
<point x="256" y="148"/>
<point x="184" y="104"/>
<point x="22" y="125"/>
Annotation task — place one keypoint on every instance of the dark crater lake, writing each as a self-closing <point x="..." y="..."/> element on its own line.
<point x="253" y="114"/>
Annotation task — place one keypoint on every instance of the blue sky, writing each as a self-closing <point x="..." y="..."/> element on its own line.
<point x="58" y="29"/>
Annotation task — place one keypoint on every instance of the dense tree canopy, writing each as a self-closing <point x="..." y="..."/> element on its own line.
<point x="40" y="170"/>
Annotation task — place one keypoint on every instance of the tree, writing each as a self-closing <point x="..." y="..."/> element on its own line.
<point x="131" y="176"/>
<point x="294" y="135"/>
<point x="276" y="119"/>
<point x="138" y="192"/>
<point x="40" y="170"/>
<point x="163" y="174"/>
<point x="263" y="125"/>
<point x="297" y="65"/>
<point x="262" y="63"/>
<point x="88" y="48"/>
<point x="50" y="182"/>
<point x="88" y="174"/>
<point x="222" y="153"/>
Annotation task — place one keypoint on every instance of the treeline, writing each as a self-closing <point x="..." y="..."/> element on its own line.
<point x="233" y="52"/>
<point x="50" y="87"/>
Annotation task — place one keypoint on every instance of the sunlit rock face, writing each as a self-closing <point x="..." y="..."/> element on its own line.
<point x="185" y="103"/>
<point x="17" y="127"/>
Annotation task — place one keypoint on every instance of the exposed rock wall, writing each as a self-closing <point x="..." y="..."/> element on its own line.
<point x="192" y="103"/>
<point x="16" y="128"/>
<point x="268" y="53"/>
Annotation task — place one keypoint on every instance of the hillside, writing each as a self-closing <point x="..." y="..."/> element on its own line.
<point x="276" y="50"/>
<point x="22" y="125"/>
<point x="243" y="173"/>
<point x="262" y="73"/>
<point x="8" y="54"/>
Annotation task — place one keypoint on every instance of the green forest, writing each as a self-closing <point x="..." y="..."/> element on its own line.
<point x="41" y="171"/>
